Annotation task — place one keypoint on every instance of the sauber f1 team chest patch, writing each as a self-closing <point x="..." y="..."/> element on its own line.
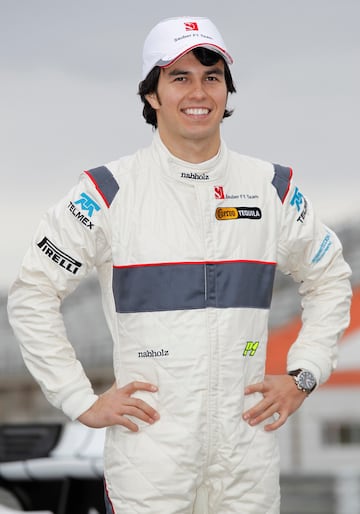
<point x="62" y="259"/>
<point x="219" y="192"/>
<point x="235" y="213"/>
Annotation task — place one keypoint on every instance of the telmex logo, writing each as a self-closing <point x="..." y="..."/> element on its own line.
<point x="235" y="213"/>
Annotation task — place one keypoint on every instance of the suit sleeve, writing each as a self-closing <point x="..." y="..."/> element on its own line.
<point x="71" y="240"/>
<point x="312" y="254"/>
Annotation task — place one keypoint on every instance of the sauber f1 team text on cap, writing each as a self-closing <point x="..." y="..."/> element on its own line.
<point x="172" y="38"/>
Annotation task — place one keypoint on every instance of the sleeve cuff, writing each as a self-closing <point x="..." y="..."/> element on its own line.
<point x="78" y="403"/>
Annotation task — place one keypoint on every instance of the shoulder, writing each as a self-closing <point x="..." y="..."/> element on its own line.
<point x="277" y="175"/>
<point x="107" y="178"/>
<point x="252" y="165"/>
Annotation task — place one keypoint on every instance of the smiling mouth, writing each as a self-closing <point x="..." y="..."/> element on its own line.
<point x="196" y="111"/>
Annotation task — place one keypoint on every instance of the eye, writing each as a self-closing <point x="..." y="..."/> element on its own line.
<point x="212" y="78"/>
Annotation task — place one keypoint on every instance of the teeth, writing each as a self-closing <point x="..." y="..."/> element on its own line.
<point x="196" y="111"/>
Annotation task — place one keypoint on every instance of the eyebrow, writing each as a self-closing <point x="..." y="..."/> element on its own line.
<point x="211" y="71"/>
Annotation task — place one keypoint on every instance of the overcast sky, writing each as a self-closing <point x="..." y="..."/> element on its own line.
<point x="68" y="80"/>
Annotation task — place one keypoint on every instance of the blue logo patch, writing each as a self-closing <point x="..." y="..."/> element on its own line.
<point x="297" y="199"/>
<point x="324" y="247"/>
<point x="87" y="204"/>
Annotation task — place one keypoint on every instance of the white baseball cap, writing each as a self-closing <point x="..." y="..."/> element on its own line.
<point x="174" y="37"/>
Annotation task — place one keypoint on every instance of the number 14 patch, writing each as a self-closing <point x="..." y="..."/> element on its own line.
<point x="250" y="348"/>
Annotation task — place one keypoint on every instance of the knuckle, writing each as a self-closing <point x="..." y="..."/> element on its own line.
<point x="138" y="403"/>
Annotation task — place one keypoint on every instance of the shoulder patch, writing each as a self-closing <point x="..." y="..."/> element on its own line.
<point x="281" y="180"/>
<point x="104" y="182"/>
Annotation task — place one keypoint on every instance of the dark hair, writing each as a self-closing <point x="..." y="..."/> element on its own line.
<point x="150" y="83"/>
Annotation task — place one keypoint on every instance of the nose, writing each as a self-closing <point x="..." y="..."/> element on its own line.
<point x="197" y="91"/>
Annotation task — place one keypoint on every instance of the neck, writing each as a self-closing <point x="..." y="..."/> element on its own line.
<point x="191" y="150"/>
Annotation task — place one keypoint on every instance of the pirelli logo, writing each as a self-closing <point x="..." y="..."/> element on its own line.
<point x="63" y="260"/>
<point x="235" y="213"/>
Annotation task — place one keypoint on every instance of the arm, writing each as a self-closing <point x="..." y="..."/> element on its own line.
<point x="72" y="239"/>
<point x="63" y="251"/>
<point x="312" y="254"/>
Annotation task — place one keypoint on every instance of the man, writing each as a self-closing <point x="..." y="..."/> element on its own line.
<point x="185" y="236"/>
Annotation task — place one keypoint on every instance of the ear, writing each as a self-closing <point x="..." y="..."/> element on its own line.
<point x="153" y="100"/>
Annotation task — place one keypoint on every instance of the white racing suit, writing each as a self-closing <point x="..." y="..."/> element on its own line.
<point x="186" y="256"/>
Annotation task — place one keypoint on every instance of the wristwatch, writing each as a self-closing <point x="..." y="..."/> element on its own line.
<point x="304" y="380"/>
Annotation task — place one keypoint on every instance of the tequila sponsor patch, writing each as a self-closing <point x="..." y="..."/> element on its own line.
<point x="235" y="213"/>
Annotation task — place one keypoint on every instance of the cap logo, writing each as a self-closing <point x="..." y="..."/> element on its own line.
<point x="191" y="25"/>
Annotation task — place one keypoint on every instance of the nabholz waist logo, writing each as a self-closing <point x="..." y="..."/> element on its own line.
<point x="153" y="353"/>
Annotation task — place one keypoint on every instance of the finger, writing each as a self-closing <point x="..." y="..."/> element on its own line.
<point x="144" y="407"/>
<point x="254" y="388"/>
<point x="276" y="424"/>
<point x="259" y="419"/>
<point x="257" y="409"/>
<point x="126" y="422"/>
<point x="270" y="412"/>
<point x="263" y="410"/>
<point x="138" y="386"/>
<point x="140" y="414"/>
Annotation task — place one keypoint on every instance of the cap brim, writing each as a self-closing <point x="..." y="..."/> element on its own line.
<point x="167" y="61"/>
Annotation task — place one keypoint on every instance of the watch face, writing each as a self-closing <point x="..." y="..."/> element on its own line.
<point x="306" y="380"/>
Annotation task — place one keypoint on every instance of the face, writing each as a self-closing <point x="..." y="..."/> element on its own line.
<point x="190" y="104"/>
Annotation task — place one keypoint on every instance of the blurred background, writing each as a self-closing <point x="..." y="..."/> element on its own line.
<point x="69" y="74"/>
